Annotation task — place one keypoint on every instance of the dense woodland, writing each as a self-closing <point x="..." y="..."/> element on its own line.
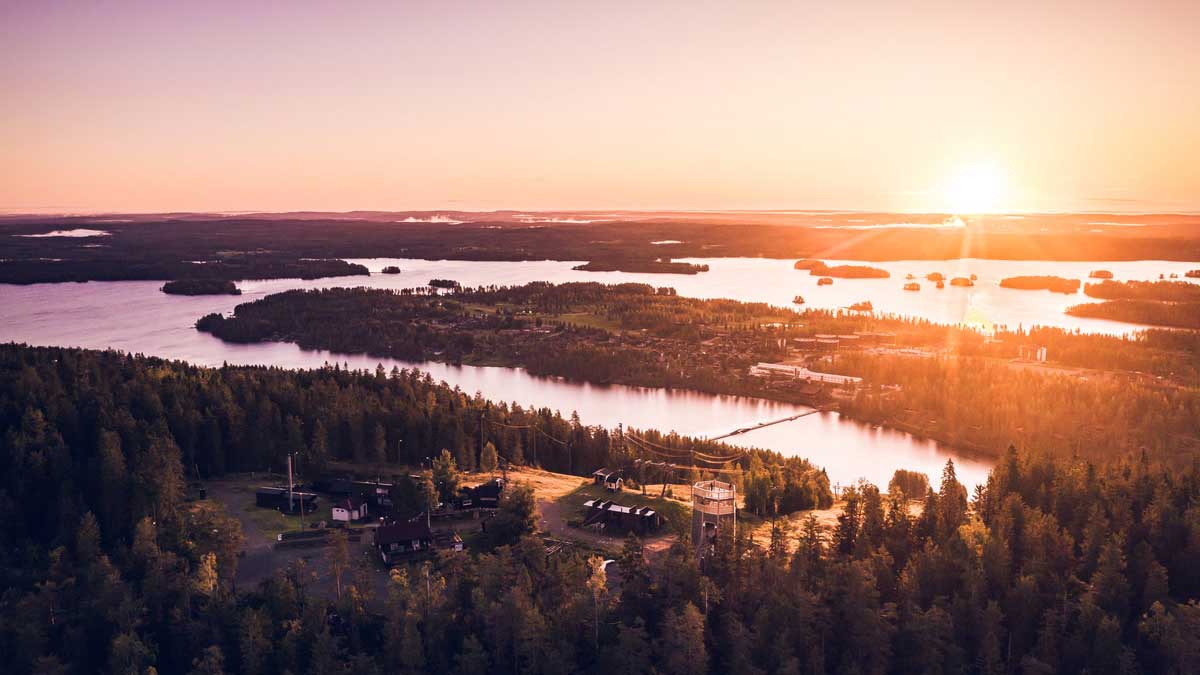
<point x="981" y="404"/>
<point x="1055" y="565"/>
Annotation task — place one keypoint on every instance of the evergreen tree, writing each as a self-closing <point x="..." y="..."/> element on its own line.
<point x="488" y="459"/>
<point x="681" y="649"/>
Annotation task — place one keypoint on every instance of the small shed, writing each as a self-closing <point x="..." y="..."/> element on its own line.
<point x="350" y="509"/>
<point x="614" y="483"/>
<point x="610" y="479"/>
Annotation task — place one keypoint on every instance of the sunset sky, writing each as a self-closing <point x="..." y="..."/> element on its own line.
<point x="955" y="106"/>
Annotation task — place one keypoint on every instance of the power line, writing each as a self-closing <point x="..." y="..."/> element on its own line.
<point x="526" y="426"/>
<point x="678" y="453"/>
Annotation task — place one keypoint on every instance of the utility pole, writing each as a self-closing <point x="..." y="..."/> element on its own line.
<point x="533" y="442"/>
<point x="291" y="504"/>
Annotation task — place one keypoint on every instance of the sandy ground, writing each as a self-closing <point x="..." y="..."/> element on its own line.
<point x="549" y="488"/>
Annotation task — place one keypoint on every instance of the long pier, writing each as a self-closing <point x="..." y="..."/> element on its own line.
<point x="761" y="425"/>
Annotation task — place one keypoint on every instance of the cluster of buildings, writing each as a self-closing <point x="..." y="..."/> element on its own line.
<point x="400" y="539"/>
<point x="400" y="534"/>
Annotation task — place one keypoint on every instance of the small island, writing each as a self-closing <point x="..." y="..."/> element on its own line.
<point x="817" y="268"/>
<point x="935" y="276"/>
<point x="864" y="306"/>
<point x="641" y="266"/>
<point x="807" y="264"/>
<point x="1192" y="274"/>
<point x="824" y="281"/>
<point x="961" y="281"/>
<point x="200" y="287"/>
<point x="912" y="286"/>
<point x="443" y="283"/>
<point x="1100" y="274"/>
<point x="798" y="300"/>
<point x="1041" y="283"/>
<point x="391" y="269"/>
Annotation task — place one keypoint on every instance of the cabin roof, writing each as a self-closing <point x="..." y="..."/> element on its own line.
<point x="394" y="533"/>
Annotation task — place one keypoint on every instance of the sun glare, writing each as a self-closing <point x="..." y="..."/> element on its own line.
<point x="979" y="188"/>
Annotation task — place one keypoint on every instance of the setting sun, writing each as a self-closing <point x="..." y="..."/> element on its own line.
<point x="978" y="188"/>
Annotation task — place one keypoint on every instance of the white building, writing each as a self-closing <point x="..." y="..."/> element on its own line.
<point x="350" y="509"/>
<point x="801" y="373"/>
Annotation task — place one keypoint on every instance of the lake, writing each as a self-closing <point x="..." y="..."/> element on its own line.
<point x="134" y="316"/>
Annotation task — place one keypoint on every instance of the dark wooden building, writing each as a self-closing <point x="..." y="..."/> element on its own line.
<point x="625" y="518"/>
<point x="397" y="541"/>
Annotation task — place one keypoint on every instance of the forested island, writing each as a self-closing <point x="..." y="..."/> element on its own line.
<point x="641" y="266"/>
<point x="1041" y="283"/>
<point x="1055" y="565"/>
<point x="201" y="287"/>
<point x="818" y="268"/>
<point x="624" y="333"/>
<point x="391" y="269"/>
<point x="1169" y="314"/>
<point x="1174" y="304"/>
<point x="636" y="334"/>
<point x="230" y="268"/>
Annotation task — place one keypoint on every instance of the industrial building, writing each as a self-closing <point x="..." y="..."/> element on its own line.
<point x="782" y="370"/>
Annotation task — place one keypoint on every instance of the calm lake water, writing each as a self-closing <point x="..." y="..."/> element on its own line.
<point x="134" y="316"/>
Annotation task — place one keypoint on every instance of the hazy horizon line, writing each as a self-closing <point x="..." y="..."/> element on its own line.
<point x="18" y="212"/>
